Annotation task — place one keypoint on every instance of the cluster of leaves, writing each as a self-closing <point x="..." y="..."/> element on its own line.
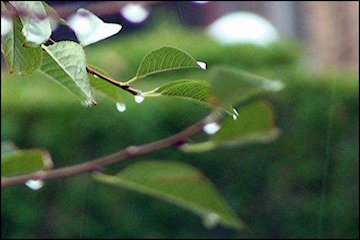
<point x="27" y="49"/>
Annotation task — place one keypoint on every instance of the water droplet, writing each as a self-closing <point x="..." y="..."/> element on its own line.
<point x="134" y="12"/>
<point x="121" y="107"/>
<point x="236" y="114"/>
<point x="211" y="220"/>
<point x="211" y="128"/>
<point x="34" y="184"/>
<point x="201" y="2"/>
<point x="202" y="65"/>
<point x="274" y="85"/>
<point x="139" y="98"/>
<point x="6" y="25"/>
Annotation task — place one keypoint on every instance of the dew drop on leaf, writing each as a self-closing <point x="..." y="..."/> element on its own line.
<point x="34" y="184"/>
<point x="202" y="65"/>
<point x="121" y="107"/>
<point x="139" y="98"/>
<point x="211" y="220"/>
<point x="211" y="128"/>
<point x="235" y="115"/>
<point x="134" y="12"/>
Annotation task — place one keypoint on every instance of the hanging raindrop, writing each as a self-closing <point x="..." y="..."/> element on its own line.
<point x="211" y="220"/>
<point x="121" y="107"/>
<point x="139" y="98"/>
<point x="211" y="128"/>
<point x="200" y="2"/>
<point x="134" y="12"/>
<point x="34" y="184"/>
<point x="202" y="65"/>
<point x="235" y="115"/>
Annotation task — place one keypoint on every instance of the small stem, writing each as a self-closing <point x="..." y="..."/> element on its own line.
<point x="132" y="80"/>
<point x="121" y="85"/>
<point x="152" y="93"/>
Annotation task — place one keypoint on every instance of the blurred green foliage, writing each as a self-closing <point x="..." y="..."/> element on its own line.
<point x="304" y="184"/>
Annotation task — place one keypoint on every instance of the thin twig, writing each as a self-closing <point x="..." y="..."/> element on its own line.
<point x="121" y="85"/>
<point x="127" y="153"/>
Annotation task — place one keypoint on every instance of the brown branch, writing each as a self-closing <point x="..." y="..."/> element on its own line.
<point x="98" y="164"/>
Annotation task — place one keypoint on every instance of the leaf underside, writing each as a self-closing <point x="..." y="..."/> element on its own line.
<point x="65" y="62"/>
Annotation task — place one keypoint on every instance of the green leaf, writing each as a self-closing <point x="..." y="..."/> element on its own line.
<point x="35" y="30"/>
<point x="24" y="162"/>
<point x="20" y="59"/>
<point x="254" y="124"/>
<point x="65" y="62"/>
<point x="231" y="86"/>
<point x="197" y="90"/>
<point x="176" y="183"/>
<point x="104" y="87"/>
<point x="165" y="59"/>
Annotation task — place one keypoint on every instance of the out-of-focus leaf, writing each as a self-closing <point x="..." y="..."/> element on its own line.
<point x="230" y="86"/>
<point x="91" y="29"/>
<point x="104" y="87"/>
<point x="7" y="147"/>
<point x="176" y="183"/>
<point x="20" y="59"/>
<point x="24" y="162"/>
<point x="165" y="59"/>
<point x="254" y="124"/>
<point x="35" y="30"/>
<point x="65" y="62"/>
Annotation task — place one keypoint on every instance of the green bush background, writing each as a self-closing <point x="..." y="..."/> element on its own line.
<point x="276" y="188"/>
